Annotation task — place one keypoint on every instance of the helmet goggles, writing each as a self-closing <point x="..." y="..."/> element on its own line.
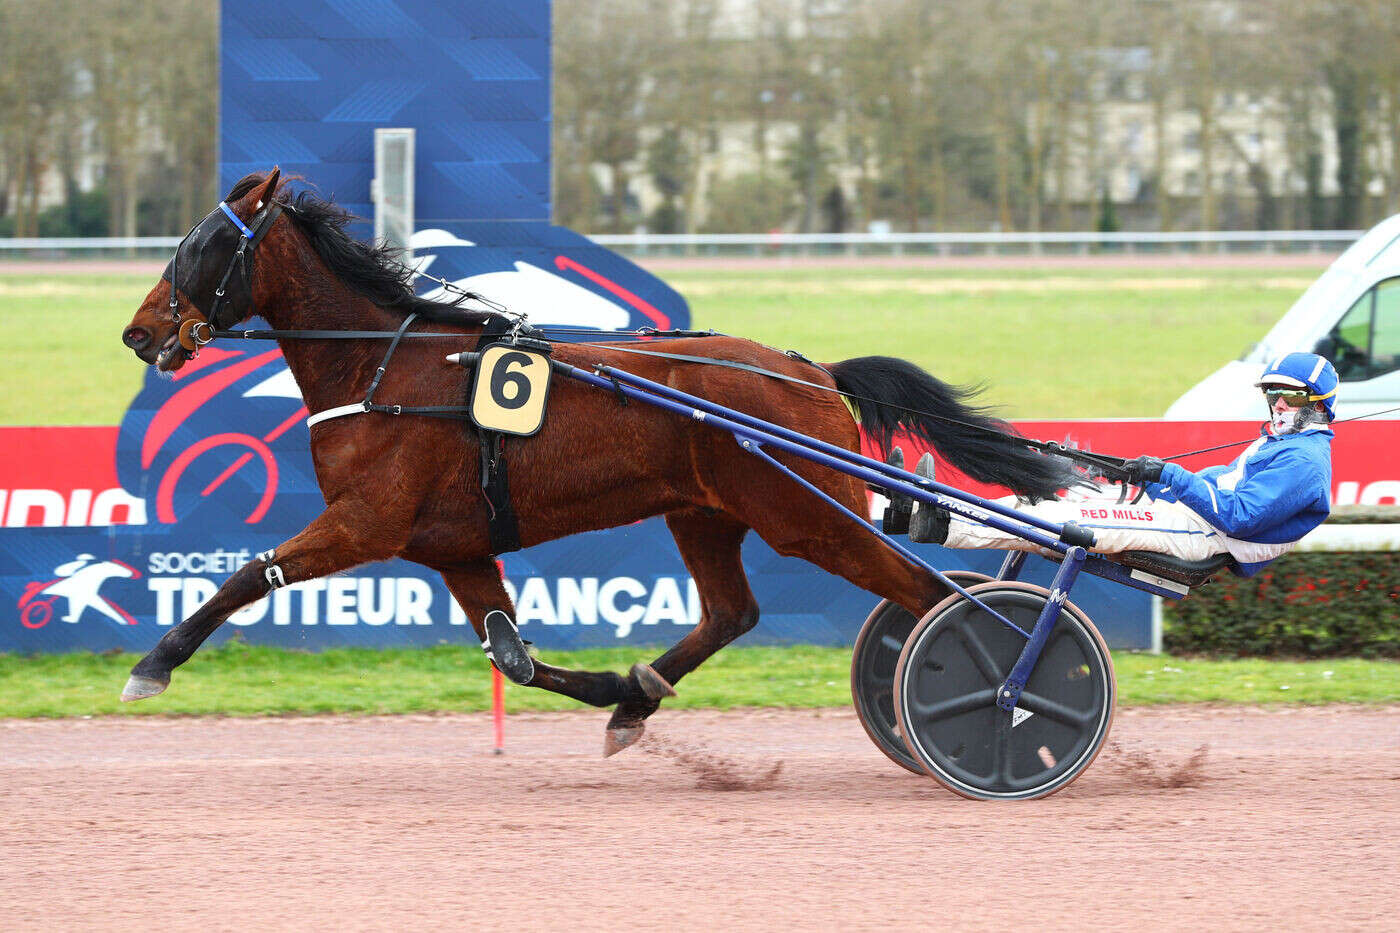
<point x="1293" y="397"/>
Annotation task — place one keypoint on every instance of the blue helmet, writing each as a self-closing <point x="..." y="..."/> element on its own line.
<point x="1305" y="371"/>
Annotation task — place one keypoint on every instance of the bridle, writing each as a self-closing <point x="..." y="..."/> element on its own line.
<point x="195" y="333"/>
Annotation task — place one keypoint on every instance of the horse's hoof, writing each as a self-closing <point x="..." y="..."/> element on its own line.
<point x="652" y="683"/>
<point x="506" y="649"/>
<point x="140" y="688"/>
<point x="619" y="737"/>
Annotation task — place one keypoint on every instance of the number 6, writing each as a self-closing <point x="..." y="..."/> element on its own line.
<point x="501" y="376"/>
<point x="509" y="390"/>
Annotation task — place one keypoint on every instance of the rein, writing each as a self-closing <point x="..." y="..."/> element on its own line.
<point x="194" y="334"/>
<point x="1206" y="450"/>
<point x="1110" y="466"/>
<point x="520" y="331"/>
<point x="641" y="333"/>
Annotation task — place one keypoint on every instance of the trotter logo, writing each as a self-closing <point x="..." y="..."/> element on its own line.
<point x="78" y="582"/>
<point x="213" y="429"/>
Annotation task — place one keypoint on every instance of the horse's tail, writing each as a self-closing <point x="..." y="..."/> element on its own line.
<point x="892" y="395"/>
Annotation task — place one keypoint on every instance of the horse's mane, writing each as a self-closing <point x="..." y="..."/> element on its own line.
<point x="372" y="270"/>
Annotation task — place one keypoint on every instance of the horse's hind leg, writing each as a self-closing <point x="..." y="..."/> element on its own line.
<point x="478" y="590"/>
<point x="839" y="545"/>
<point x="709" y="544"/>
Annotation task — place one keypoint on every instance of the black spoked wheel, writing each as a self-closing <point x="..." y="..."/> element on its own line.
<point x="873" y="663"/>
<point x="945" y="696"/>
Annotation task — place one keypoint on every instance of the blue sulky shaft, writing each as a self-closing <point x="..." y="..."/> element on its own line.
<point x="758" y="432"/>
<point x="753" y="433"/>
<point x="916" y="487"/>
<point x="756" y="448"/>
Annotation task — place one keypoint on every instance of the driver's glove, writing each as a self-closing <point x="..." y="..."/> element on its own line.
<point x="1143" y="470"/>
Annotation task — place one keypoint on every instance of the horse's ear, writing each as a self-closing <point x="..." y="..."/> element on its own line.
<point x="264" y="192"/>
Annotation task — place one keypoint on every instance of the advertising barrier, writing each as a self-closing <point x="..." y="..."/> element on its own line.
<point x="111" y="535"/>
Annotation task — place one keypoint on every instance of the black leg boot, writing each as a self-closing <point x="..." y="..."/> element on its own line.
<point x="928" y="524"/>
<point x="896" y="518"/>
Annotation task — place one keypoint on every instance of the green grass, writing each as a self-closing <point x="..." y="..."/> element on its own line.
<point x="64" y="359"/>
<point x="1053" y="343"/>
<point x="1050" y="342"/>
<point x="242" y="680"/>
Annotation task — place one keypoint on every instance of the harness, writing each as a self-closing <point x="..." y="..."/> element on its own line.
<point x="502" y="522"/>
<point x="500" y="327"/>
<point x="501" y="525"/>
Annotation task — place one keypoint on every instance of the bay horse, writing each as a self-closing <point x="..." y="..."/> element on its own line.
<point x="409" y="487"/>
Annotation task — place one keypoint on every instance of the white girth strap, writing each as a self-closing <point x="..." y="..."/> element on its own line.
<point x="354" y="408"/>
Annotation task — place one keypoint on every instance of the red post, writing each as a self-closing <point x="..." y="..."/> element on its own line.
<point x="498" y="691"/>
<point x="498" y="708"/>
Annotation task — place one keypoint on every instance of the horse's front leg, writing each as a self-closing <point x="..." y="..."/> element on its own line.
<point x="331" y="542"/>
<point x="478" y="589"/>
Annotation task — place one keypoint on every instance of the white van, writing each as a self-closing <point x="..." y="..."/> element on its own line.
<point x="1351" y="315"/>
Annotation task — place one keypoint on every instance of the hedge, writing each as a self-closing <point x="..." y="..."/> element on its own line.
<point x="1312" y="603"/>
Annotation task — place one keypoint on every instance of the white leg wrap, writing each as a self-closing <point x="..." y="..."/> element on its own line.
<point x="272" y="573"/>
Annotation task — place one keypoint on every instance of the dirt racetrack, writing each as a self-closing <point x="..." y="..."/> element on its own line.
<point x="1288" y="818"/>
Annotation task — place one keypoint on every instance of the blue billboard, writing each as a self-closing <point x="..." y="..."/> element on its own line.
<point x="212" y="466"/>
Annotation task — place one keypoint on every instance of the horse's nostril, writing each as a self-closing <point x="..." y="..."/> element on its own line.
<point x="136" y="337"/>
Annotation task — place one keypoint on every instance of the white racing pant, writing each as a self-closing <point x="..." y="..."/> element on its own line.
<point x="1164" y="527"/>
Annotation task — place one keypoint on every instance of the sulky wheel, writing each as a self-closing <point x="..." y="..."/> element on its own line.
<point x="945" y="696"/>
<point x="873" y="662"/>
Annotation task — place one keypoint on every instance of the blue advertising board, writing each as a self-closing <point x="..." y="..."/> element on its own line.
<point x="304" y="84"/>
<point x="215" y="467"/>
<point x="213" y="464"/>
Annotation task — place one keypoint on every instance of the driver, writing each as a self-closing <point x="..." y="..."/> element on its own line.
<point x="1255" y="508"/>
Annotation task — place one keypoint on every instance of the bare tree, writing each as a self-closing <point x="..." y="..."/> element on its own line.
<point x="183" y="108"/>
<point x="604" y="69"/>
<point x="931" y="115"/>
<point x="36" y="87"/>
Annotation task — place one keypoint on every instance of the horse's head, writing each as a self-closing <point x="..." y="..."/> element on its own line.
<point x="208" y="284"/>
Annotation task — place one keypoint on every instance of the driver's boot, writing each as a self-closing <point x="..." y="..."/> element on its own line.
<point x="896" y="518"/>
<point x="928" y="524"/>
